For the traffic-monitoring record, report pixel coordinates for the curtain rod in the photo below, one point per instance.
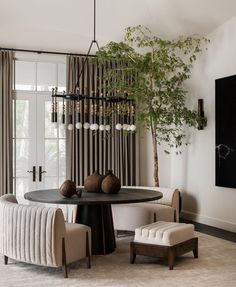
(45, 52)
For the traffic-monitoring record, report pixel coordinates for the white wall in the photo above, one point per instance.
(194, 171)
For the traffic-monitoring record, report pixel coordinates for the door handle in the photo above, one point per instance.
(34, 173)
(41, 172)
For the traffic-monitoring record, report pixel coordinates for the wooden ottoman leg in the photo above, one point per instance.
(195, 250)
(132, 254)
(171, 258)
(5, 260)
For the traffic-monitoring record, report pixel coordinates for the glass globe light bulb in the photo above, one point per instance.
(92, 127)
(86, 125)
(78, 125)
(95, 127)
(70, 127)
(107, 127)
(118, 127)
(133, 128)
(101, 127)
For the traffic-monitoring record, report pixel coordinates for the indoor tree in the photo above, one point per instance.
(151, 71)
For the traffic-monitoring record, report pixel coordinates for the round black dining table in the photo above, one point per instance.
(94, 210)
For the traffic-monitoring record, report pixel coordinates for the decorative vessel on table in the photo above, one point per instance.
(93, 182)
(68, 189)
(111, 183)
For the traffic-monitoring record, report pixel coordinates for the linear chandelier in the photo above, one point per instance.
(101, 115)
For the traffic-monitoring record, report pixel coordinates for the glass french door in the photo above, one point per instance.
(39, 146)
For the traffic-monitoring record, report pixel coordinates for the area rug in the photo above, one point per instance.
(216, 266)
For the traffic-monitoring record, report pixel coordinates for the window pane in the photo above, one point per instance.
(62, 131)
(22, 119)
(51, 157)
(22, 186)
(61, 77)
(14, 185)
(50, 130)
(46, 76)
(51, 182)
(62, 158)
(13, 118)
(22, 157)
(25, 75)
(13, 155)
(61, 180)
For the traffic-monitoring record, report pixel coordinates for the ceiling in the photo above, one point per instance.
(67, 26)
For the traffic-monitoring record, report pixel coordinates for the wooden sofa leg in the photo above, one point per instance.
(171, 258)
(195, 250)
(88, 255)
(5, 260)
(64, 264)
(154, 217)
(132, 254)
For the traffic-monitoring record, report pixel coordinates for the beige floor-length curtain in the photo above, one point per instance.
(6, 152)
(87, 150)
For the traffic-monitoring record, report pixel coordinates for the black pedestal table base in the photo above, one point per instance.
(99, 218)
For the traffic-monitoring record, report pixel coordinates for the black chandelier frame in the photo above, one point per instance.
(76, 96)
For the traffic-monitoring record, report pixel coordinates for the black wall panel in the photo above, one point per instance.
(225, 164)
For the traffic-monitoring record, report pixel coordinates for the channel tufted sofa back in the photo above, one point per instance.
(31, 234)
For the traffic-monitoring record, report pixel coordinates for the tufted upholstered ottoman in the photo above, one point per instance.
(164, 239)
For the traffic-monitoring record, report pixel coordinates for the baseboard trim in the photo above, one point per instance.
(225, 225)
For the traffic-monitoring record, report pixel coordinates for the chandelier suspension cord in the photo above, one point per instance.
(94, 20)
(94, 41)
(94, 24)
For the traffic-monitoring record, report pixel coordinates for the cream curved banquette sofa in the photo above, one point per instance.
(131, 216)
(39, 235)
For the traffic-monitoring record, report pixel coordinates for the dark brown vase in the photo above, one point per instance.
(93, 182)
(68, 188)
(111, 183)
